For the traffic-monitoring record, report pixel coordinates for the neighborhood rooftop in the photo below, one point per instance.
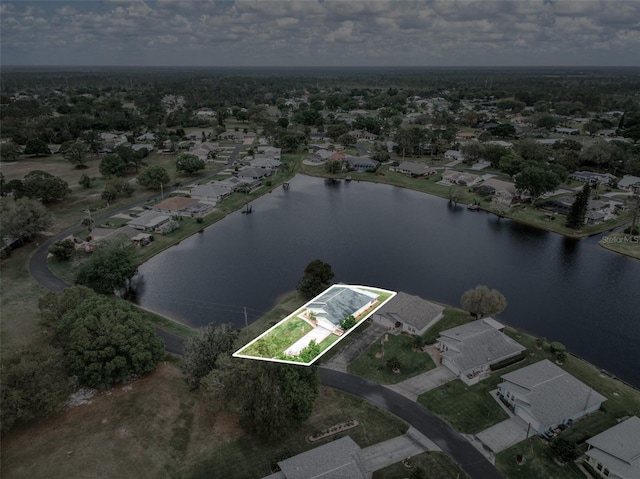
(412, 310)
(551, 393)
(618, 448)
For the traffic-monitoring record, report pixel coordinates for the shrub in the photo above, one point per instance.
(634, 231)
(556, 347)
(63, 249)
(540, 342)
(563, 450)
(561, 356)
(348, 323)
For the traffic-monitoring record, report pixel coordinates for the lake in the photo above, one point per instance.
(565, 290)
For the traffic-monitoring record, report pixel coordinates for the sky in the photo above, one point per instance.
(321, 33)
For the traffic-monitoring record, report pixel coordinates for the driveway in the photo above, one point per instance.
(354, 349)
(395, 450)
(503, 435)
(413, 387)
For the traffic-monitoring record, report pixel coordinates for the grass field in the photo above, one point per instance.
(156, 428)
(621, 243)
(374, 368)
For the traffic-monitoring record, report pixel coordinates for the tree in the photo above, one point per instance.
(315, 279)
(154, 177)
(75, 153)
(36, 147)
(270, 399)
(107, 341)
(9, 151)
(202, 352)
(86, 181)
(472, 151)
(348, 322)
(35, 384)
(189, 164)
(131, 158)
(53, 305)
(511, 163)
(44, 186)
(116, 188)
(112, 165)
(109, 269)
(333, 166)
(564, 450)
(575, 218)
(536, 180)
(63, 249)
(23, 218)
(482, 301)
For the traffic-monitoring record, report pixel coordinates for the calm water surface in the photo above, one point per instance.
(565, 290)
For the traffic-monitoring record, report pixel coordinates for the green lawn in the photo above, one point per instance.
(436, 465)
(274, 343)
(469, 409)
(622, 243)
(539, 462)
(370, 367)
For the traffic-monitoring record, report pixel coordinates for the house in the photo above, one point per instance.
(594, 217)
(146, 137)
(628, 182)
(411, 313)
(175, 205)
(546, 396)
(470, 350)
(502, 143)
(504, 192)
(265, 163)
(150, 221)
(566, 131)
(563, 205)
(320, 156)
(454, 155)
(339, 459)
(615, 453)
(142, 239)
(210, 192)
(363, 135)
(358, 163)
(413, 168)
(466, 136)
(143, 146)
(238, 184)
(271, 151)
(593, 178)
(453, 177)
(254, 173)
(338, 302)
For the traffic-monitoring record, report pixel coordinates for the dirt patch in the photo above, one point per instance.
(227, 425)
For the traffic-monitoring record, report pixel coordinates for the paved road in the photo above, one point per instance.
(450, 441)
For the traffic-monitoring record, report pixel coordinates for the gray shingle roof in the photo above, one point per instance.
(339, 459)
(412, 310)
(619, 448)
(339, 302)
(550, 393)
(477, 344)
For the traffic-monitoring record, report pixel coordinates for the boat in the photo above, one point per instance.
(348, 178)
(473, 207)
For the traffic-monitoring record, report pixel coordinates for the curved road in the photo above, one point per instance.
(449, 440)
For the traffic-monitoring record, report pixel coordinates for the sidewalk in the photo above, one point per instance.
(395, 450)
(413, 387)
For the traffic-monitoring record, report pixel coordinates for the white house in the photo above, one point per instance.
(546, 396)
(615, 453)
(150, 221)
(414, 168)
(210, 192)
(411, 313)
(470, 350)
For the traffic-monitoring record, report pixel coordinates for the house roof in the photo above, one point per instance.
(209, 190)
(150, 219)
(175, 203)
(477, 344)
(413, 167)
(550, 393)
(339, 302)
(628, 180)
(500, 185)
(618, 448)
(412, 310)
(339, 459)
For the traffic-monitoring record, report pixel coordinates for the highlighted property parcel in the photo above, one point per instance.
(305, 335)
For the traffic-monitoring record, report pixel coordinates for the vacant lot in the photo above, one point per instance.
(156, 428)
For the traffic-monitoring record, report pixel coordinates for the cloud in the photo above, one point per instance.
(330, 32)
